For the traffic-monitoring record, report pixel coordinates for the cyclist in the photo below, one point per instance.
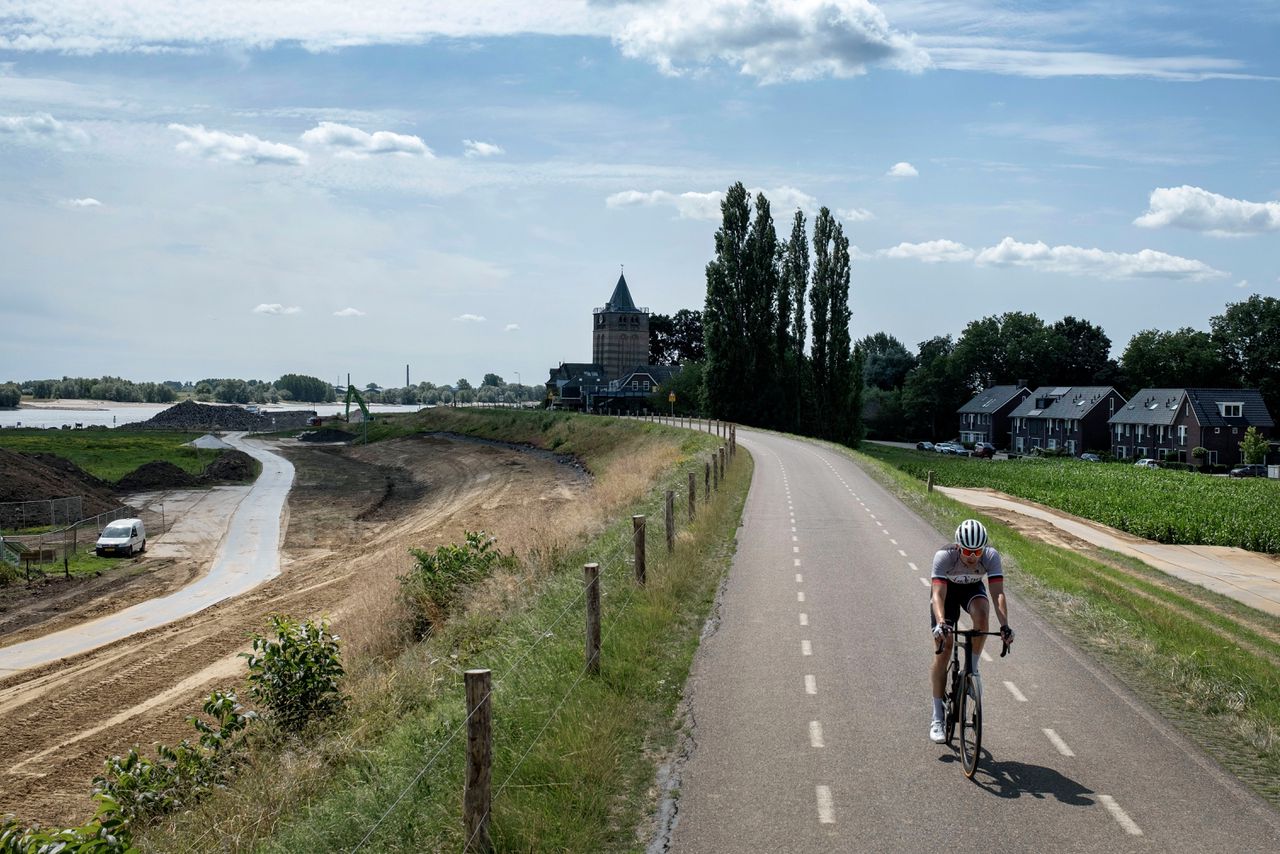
(958, 571)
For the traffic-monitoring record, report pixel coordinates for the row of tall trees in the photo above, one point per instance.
(915, 395)
(756, 328)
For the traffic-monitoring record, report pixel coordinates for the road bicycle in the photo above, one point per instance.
(963, 699)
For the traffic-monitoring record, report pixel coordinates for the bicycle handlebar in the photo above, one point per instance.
(972, 633)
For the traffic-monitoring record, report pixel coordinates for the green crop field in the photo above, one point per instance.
(1162, 505)
(110, 454)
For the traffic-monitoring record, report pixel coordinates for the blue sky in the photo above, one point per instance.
(249, 189)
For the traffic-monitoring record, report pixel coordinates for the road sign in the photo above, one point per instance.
(671, 398)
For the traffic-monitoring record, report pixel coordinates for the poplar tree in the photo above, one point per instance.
(795, 280)
(762, 286)
(723, 317)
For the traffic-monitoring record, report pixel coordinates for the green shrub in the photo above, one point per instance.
(96, 837)
(431, 588)
(295, 674)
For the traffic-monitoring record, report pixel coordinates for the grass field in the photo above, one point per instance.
(110, 454)
(1165, 506)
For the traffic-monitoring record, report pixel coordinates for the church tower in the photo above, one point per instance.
(620, 340)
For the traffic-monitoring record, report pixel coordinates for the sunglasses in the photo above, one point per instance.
(970, 552)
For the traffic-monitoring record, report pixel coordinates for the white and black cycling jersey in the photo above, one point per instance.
(947, 566)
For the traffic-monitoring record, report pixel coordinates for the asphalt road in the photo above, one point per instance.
(248, 555)
(810, 705)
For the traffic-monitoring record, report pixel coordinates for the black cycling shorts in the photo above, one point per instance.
(958, 596)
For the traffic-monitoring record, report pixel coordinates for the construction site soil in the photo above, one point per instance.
(353, 515)
(190, 415)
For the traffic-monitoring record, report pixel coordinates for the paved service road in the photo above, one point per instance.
(248, 555)
(810, 705)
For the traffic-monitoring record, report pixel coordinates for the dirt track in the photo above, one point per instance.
(353, 514)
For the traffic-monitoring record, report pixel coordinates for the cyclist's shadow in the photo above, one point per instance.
(1015, 779)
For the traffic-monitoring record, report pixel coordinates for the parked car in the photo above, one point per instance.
(924, 446)
(1091, 458)
(122, 537)
(984, 449)
(1250, 470)
(1147, 463)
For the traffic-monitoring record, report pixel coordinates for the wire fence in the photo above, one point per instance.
(620, 552)
(40, 553)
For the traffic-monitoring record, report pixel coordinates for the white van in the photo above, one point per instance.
(122, 537)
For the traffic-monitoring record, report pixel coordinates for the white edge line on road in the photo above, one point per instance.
(826, 813)
(1017, 695)
(1121, 817)
(1059, 743)
(804, 619)
(815, 734)
(806, 648)
(810, 684)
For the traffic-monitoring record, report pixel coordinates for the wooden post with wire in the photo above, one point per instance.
(693, 496)
(671, 521)
(715, 472)
(477, 795)
(706, 481)
(638, 534)
(591, 577)
(928, 481)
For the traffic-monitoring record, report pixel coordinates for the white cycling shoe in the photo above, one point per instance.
(936, 734)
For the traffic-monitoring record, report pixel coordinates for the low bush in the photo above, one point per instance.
(432, 587)
(295, 674)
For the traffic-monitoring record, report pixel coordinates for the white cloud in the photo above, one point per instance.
(1201, 210)
(353, 142)
(902, 170)
(512, 327)
(1243, 283)
(349, 312)
(469, 318)
(83, 203)
(783, 199)
(40, 128)
(1056, 63)
(855, 214)
(771, 40)
(475, 148)
(245, 148)
(703, 206)
(1072, 260)
(276, 308)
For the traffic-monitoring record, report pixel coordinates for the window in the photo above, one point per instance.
(1217, 430)
(1182, 434)
(1213, 458)
(1231, 410)
(635, 384)
(1234, 430)
(1121, 452)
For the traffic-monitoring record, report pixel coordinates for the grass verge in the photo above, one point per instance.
(575, 755)
(111, 454)
(1205, 662)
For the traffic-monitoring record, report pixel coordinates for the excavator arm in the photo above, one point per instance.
(364, 409)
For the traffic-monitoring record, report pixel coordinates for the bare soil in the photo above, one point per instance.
(353, 513)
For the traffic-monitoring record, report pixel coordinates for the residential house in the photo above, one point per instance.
(1168, 423)
(1073, 419)
(985, 418)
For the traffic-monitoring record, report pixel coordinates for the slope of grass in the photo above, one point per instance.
(111, 454)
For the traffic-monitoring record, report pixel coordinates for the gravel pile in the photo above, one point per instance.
(230, 465)
(158, 474)
(190, 415)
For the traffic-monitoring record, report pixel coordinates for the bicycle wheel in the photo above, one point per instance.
(970, 724)
(951, 701)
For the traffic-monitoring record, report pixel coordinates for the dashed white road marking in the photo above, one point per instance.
(873, 516)
(1122, 818)
(826, 813)
(901, 552)
(804, 619)
(986, 656)
(793, 529)
(895, 542)
(797, 561)
(914, 568)
(815, 734)
(810, 684)
(924, 581)
(794, 538)
(878, 522)
(799, 595)
(1017, 695)
(1059, 743)
(806, 648)
(799, 578)
(795, 548)
(884, 531)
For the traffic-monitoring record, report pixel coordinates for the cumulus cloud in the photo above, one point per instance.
(1200, 210)
(349, 312)
(353, 142)
(512, 327)
(84, 203)
(1072, 260)
(475, 148)
(855, 214)
(276, 308)
(245, 148)
(771, 40)
(902, 170)
(40, 128)
(469, 318)
(703, 206)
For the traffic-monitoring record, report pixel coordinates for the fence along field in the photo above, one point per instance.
(1175, 507)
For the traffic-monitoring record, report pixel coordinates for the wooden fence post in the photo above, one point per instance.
(671, 521)
(476, 793)
(638, 534)
(693, 496)
(929, 481)
(591, 577)
(715, 472)
(706, 481)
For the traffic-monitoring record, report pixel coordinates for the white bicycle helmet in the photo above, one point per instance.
(971, 534)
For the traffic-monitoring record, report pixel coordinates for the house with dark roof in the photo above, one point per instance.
(985, 418)
(618, 377)
(1168, 423)
(1073, 419)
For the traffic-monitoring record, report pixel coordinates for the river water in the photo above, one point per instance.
(108, 414)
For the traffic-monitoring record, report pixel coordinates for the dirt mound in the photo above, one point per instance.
(231, 465)
(157, 474)
(326, 434)
(190, 415)
(40, 477)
